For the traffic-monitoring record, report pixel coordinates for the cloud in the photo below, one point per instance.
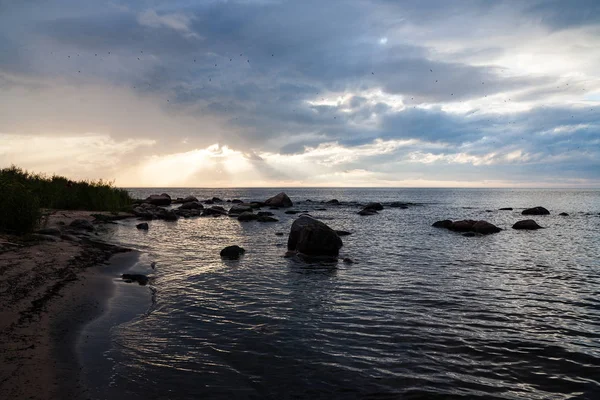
(175, 21)
(386, 91)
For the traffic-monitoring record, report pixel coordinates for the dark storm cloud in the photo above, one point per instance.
(272, 71)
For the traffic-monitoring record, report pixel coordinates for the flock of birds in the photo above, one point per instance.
(231, 59)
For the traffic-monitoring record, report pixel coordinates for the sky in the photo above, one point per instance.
(276, 93)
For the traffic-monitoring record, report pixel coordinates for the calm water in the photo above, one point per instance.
(423, 313)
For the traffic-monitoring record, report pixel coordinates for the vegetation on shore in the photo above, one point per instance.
(24, 194)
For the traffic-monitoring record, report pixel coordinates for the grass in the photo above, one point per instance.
(23, 194)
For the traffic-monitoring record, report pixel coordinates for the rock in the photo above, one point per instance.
(485, 228)
(470, 226)
(209, 202)
(265, 214)
(265, 218)
(563, 214)
(289, 254)
(321, 209)
(216, 200)
(312, 237)
(143, 226)
(256, 204)
(247, 216)
(236, 201)
(292, 212)
(280, 200)
(536, 211)
(367, 211)
(462, 226)
(49, 231)
(278, 233)
(159, 200)
(348, 261)
(374, 206)
(343, 233)
(139, 278)
(506, 209)
(167, 215)
(213, 211)
(82, 224)
(527, 224)
(397, 204)
(232, 252)
(442, 224)
(238, 209)
(191, 205)
(189, 199)
(334, 202)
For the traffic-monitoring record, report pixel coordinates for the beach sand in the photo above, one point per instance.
(48, 290)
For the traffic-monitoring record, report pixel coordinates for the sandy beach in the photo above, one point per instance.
(50, 287)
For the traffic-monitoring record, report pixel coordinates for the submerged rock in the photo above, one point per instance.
(348, 261)
(397, 204)
(292, 212)
(143, 226)
(343, 233)
(215, 211)
(374, 206)
(312, 237)
(247, 216)
(535, 211)
(442, 224)
(266, 218)
(367, 211)
(527, 224)
(506, 209)
(232, 252)
(280, 200)
(139, 278)
(265, 214)
(563, 214)
(236, 201)
(333, 202)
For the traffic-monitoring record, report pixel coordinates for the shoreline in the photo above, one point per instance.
(50, 290)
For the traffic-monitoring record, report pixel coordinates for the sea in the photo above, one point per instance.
(422, 313)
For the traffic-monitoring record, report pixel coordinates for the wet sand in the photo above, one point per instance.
(48, 290)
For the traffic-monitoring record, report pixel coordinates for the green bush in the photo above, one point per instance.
(19, 208)
(24, 191)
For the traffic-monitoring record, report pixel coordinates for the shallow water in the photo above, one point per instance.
(423, 312)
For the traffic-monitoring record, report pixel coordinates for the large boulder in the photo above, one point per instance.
(159, 199)
(527, 224)
(280, 200)
(232, 252)
(374, 206)
(312, 237)
(536, 211)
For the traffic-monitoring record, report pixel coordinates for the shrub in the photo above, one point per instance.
(27, 192)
